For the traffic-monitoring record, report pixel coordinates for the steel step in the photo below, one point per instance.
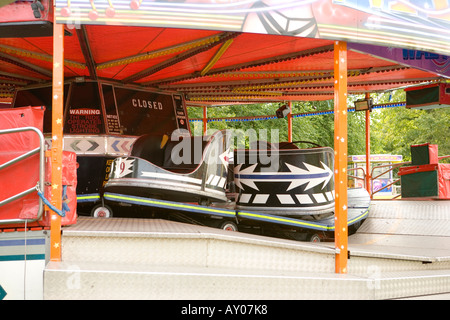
(92, 281)
(120, 258)
(161, 242)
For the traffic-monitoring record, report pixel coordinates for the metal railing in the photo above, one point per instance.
(356, 177)
(40, 183)
(390, 167)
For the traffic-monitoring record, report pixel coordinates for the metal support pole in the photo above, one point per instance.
(205, 119)
(340, 159)
(368, 171)
(57, 139)
(289, 118)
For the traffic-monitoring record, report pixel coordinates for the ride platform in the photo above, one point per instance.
(401, 251)
(300, 229)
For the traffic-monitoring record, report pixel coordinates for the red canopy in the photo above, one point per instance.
(209, 67)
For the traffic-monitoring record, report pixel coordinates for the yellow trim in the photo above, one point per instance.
(39, 56)
(217, 56)
(88, 197)
(359, 217)
(170, 204)
(157, 53)
(239, 213)
(283, 220)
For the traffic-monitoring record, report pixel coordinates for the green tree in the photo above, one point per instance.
(393, 129)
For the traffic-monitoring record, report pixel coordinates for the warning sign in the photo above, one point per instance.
(84, 120)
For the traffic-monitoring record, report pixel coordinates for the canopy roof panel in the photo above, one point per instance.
(212, 67)
(414, 24)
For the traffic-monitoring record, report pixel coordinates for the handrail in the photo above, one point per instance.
(41, 151)
(356, 177)
(392, 167)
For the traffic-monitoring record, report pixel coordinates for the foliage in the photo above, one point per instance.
(393, 130)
